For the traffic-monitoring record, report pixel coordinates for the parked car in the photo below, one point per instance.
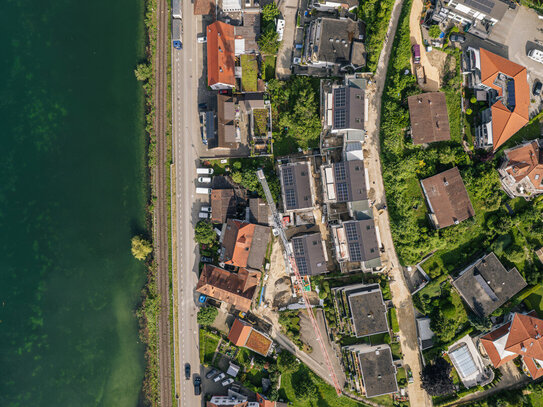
(204, 215)
(211, 373)
(202, 106)
(223, 91)
(202, 39)
(206, 259)
(227, 382)
(187, 371)
(205, 209)
(415, 49)
(204, 171)
(537, 88)
(409, 374)
(536, 55)
(457, 38)
(204, 180)
(197, 385)
(203, 191)
(219, 377)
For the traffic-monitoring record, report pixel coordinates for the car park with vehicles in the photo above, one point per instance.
(211, 373)
(227, 381)
(219, 377)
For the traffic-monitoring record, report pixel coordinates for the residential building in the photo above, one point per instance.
(244, 244)
(429, 118)
(230, 401)
(220, 56)
(259, 211)
(344, 181)
(297, 186)
(223, 205)
(447, 198)
(468, 363)
(478, 16)
(246, 34)
(486, 284)
(377, 368)
(204, 7)
(508, 96)
(309, 254)
(331, 42)
(236, 289)
(243, 334)
(333, 5)
(366, 308)
(425, 334)
(264, 402)
(521, 171)
(521, 336)
(356, 240)
(228, 131)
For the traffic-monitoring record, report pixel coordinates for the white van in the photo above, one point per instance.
(203, 215)
(203, 191)
(204, 171)
(204, 180)
(205, 209)
(536, 55)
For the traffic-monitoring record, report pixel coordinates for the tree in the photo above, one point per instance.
(204, 233)
(143, 72)
(268, 42)
(469, 111)
(269, 12)
(473, 100)
(141, 248)
(303, 384)
(436, 378)
(286, 361)
(434, 31)
(482, 324)
(206, 315)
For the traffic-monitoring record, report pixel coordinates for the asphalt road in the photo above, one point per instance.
(186, 146)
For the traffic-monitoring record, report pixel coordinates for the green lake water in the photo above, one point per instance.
(72, 193)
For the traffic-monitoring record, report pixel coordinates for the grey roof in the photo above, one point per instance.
(226, 133)
(486, 285)
(493, 8)
(378, 370)
(257, 254)
(368, 310)
(309, 254)
(336, 36)
(361, 240)
(429, 117)
(426, 336)
(249, 31)
(348, 108)
(350, 181)
(296, 186)
(259, 211)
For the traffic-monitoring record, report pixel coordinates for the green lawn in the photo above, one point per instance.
(393, 320)
(268, 67)
(535, 301)
(208, 345)
(249, 73)
(396, 349)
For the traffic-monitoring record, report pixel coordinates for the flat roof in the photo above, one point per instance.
(429, 117)
(368, 310)
(378, 370)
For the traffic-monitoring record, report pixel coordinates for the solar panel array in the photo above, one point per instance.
(511, 94)
(340, 119)
(339, 97)
(290, 196)
(463, 361)
(298, 247)
(302, 266)
(354, 252)
(342, 192)
(351, 231)
(288, 176)
(485, 6)
(339, 169)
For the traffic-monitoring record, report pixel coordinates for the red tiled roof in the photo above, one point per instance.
(526, 161)
(525, 336)
(239, 333)
(535, 371)
(488, 343)
(504, 122)
(220, 54)
(243, 334)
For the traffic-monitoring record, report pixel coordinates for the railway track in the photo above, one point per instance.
(161, 210)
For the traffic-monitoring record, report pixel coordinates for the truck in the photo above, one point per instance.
(177, 30)
(176, 9)
(204, 171)
(420, 74)
(415, 49)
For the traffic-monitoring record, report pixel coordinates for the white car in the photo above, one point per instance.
(205, 171)
(205, 209)
(202, 39)
(204, 180)
(203, 191)
(204, 215)
(536, 55)
(227, 382)
(219, 377)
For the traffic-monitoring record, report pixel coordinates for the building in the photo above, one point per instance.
(297, 186)
(230, 401)
(429, 118)
(259, 211)
(228, 132)
(204, 7)
(468, 363)
(367, 310)
(356, 240)
(521, 336)
(236, 289)
(377, 368)
(447, 198)
(344, 181)
(333, 5)
(223, 205)
(243, 334)
(425, 334)
(309, 254)
(331, 42)
(486, 285)
(244, 244)
(521, 171)
(220, 56)
(508, 96)
(246, 34)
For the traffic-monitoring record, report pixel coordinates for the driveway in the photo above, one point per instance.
(288, 9)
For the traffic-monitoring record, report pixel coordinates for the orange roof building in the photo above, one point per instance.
(244, 244)
(509, 97)
(237, 289)
(522, 170)
(220, 56)
(243, 334)
(522, 336)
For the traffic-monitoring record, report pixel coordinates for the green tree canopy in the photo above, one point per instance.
(434, 31)
(268, 42)
(204, 233)
(206, 315)
(143, 72)
(270, 12)
(286, 361)
(303, 384)
(141, 248)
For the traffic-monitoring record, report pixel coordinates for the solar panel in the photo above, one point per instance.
(290, 196)
(298, 247)
(339, 171)
(302, 266)
(485, 6)
(339, 119)
(288, 177)
(339, 97)
(351, 231)
(464, 361)
(511, 94)
(354, 252)
(342, 192)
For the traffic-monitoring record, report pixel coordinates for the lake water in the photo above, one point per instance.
(72, 193)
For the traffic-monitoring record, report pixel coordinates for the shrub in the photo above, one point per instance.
(206, 315)
(141, 248)
(469, 111)
(434, 31)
